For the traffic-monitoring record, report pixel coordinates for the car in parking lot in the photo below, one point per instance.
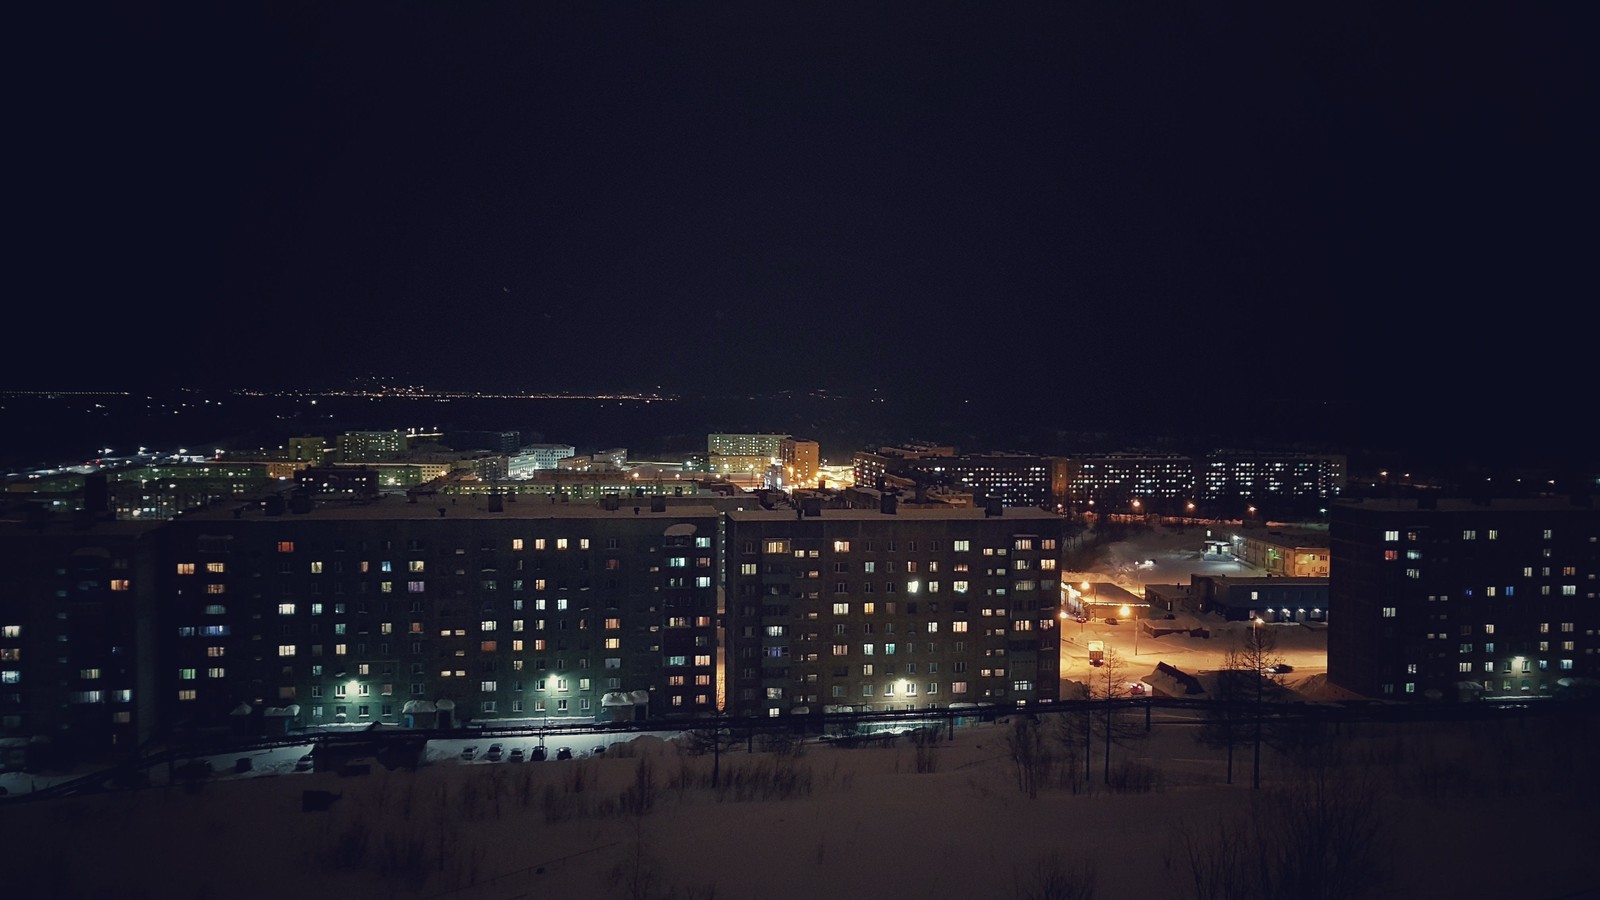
(564, 753)
(1280, 669)
(517, 755)
(468, 753)
(304, 763)
(538, 753)
(1110, 621)
(495, 752)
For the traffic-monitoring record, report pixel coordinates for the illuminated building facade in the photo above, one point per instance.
(537, 457)
(1228, 474)
(1016, 480)
(799, 463)
(1116, 477)
(871, 466)
(1462, 599)
(430, 614)
(1290, 553)
(371, 446)
(844, 609)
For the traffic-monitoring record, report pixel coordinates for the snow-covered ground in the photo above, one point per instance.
(943, 821)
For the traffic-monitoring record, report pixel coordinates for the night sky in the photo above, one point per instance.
(1143, 203)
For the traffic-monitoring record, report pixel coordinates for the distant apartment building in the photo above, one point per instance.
(1465, 598)
(1015, 479)
(371, 446)
(414, 613)
(1114, 479)
(798, 464)
(533, 458)
(80, 600)
(1178, 484)
(764, 445)
(744, 455)
(871, 466)
(1252, 475)
(890, 609)
(311, 449)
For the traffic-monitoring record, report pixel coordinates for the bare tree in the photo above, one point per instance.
(1255, 658)
(1032, 755)
(1110, 684)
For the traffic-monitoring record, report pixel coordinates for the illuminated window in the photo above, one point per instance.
(185, 568)
(285, 609)
(286, 546)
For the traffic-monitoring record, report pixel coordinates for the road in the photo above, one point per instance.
(1174, 556)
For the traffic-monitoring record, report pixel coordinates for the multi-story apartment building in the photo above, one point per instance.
(767, 446)
(1114, 478)
(871, 466)
(79, 601)
(848, 609)
(310, 450)
(1251, 475)
(1460, 599)
(799, 462)
(372, 446)
(1015, 479)
(532, 458)
(430, 613)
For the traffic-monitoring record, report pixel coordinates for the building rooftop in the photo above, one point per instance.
(389, 508)
(1463, 504)
(921, 514)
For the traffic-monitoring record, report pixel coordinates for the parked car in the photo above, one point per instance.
(1281, 668)
(537, 754)
(495, 752)
(564, 753)
(1110, 621)
(517, 755)
(304, 763)
(467, 753)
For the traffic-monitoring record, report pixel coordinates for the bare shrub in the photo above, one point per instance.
(1031, 755)
(640, 797)
(926, 741)
(1053, 878)
(1319, 837)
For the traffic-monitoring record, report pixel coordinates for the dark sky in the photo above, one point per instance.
(1345, 202)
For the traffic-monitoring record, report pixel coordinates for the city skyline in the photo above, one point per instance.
(1335, 206)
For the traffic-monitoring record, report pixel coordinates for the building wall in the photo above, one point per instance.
(1458, 599)
(77, 600)
(946, 614)
(1283, 555)
(513, 616)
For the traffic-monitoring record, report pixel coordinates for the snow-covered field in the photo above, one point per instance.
(947, 820)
